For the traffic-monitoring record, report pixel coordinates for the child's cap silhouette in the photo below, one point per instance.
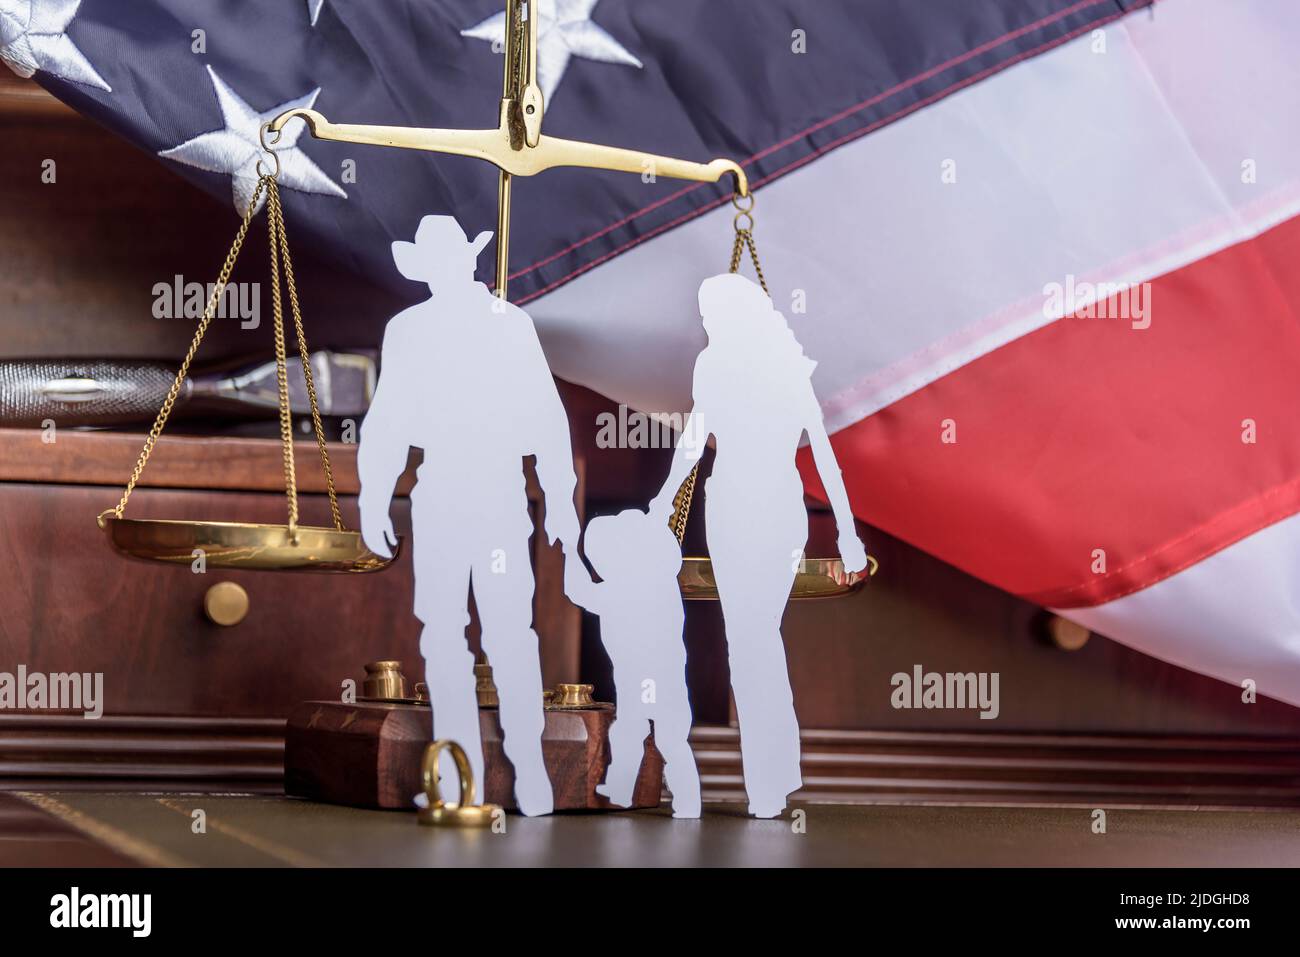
(440, 248)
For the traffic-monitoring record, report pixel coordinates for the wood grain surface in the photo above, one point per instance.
(281, 832)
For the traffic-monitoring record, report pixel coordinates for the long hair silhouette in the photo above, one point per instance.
(753, 394)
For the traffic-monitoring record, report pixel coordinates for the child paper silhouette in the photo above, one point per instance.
(463, 377)
(753, 394)
(641, 618)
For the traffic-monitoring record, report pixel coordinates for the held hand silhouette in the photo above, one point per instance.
(377, 531)
(852, 552)
(661, 506)
(562, 526)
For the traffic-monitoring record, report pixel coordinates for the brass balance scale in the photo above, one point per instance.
(517, 148)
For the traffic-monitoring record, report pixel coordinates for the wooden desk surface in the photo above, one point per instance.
(97, 829)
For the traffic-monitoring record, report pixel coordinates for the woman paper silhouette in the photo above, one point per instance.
(753, 394)
(640, 607)
(463, 377)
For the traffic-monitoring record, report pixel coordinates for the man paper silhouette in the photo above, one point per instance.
(463, 377)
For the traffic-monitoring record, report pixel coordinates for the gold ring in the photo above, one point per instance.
(439, 812)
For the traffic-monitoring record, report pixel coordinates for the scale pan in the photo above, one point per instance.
(816, 578)
(241, 545)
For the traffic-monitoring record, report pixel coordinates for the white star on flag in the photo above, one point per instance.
(33, 36)
(313, 9)
(236, 148)
(564, 30)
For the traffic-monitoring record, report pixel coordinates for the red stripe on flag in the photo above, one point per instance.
(1091, 435)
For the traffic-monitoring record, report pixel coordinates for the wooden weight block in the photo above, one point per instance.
(368, 754)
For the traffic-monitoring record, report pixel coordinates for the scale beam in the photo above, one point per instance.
(494, 146)
(516, 147)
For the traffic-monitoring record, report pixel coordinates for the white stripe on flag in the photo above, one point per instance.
(1176, 142)
(1234, 615)
(1106, 166)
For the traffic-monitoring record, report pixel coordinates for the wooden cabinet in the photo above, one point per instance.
(194, 705)
(71, 603)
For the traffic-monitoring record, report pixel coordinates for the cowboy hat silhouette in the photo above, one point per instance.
(441, 253)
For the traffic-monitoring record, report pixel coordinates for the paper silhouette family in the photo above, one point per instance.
(463, 350)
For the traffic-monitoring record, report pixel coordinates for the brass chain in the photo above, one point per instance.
(682, 505)
(744, 239)
(279, 249)
(281, 364)
(273, 200)
(208, 313)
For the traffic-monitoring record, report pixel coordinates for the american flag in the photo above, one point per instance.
(1043, 250)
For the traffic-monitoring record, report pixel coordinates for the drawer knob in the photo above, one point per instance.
(225, 603)
(1067, 635)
